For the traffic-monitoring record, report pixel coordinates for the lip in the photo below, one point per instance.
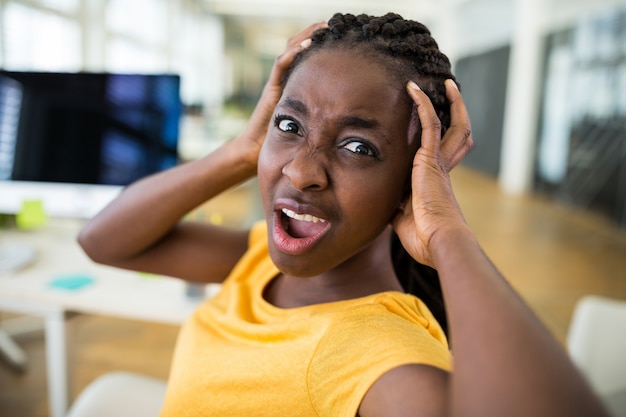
(284, 241)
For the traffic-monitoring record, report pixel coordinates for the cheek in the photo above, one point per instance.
(265, 170)
(272, 159)
(374, 198)
(398, 186)
(269, 157)
(262, 162)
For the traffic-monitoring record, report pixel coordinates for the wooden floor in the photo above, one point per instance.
(551, 254)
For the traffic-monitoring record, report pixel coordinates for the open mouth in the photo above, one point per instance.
(301, 225)
(295, 233)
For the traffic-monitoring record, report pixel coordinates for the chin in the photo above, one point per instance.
(300, 266)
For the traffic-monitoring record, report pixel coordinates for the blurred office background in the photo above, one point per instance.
(545, 85)
(544, 80)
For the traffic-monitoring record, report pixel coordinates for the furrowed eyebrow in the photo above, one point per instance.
(295, 105)
(371, 124)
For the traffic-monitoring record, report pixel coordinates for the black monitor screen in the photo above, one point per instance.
(88, 128)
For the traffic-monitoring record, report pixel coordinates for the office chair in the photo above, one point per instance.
(120, 394)
(596, 342)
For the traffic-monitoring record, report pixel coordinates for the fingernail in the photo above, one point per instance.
(305, 43)
(411, 84)
(451, 81)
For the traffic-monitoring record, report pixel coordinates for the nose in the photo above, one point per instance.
(307, 171)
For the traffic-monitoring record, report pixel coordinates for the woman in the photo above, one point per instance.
(352, 141)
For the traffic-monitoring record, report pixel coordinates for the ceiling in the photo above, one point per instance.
(322, 9)
(427, 11)
(460, 26)
(265, 24)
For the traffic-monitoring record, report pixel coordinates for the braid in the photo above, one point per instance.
(408, 52)
(420, 280)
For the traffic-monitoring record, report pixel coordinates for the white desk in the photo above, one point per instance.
(113, 292)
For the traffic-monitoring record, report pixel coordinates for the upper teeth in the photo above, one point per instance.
(302, 217)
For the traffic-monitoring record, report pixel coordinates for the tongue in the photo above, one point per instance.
(302, 229)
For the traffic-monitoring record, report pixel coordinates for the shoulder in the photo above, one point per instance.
(367, 341)
(258, 234)
(255, 263)
(390, 326)
(388, 319)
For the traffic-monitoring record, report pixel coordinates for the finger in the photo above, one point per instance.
(295, 45)
(305, 33)
(431, 125)
(402, 221)
(457, 141)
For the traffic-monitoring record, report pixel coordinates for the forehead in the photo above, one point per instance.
(346, 80)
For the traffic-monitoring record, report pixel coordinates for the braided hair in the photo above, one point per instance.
(408, 52)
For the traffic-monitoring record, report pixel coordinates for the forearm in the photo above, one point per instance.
(151, 207)
(506, 361)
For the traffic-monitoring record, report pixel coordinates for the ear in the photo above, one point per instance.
(414, 133)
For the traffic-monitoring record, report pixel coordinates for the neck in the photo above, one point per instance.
(368, 272)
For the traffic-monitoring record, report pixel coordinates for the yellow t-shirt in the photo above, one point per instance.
(238, 355)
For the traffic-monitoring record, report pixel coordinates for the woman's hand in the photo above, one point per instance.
(256, 129)
(432, 206)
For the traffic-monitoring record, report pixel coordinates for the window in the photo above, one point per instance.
(40, 39)
(124, 36)
(133, 47)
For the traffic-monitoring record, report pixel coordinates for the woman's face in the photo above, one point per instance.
(334, 163)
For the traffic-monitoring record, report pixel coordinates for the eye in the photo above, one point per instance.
(286, 125)
(360, 148)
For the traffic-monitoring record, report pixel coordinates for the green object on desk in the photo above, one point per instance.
(32, 215)
(147, 275)
(71, 282)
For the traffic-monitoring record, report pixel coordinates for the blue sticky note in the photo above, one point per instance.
(71, 282)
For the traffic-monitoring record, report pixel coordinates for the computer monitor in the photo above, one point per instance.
(74, 140)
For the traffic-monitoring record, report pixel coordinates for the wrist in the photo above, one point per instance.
(449, 241)
(241, 154)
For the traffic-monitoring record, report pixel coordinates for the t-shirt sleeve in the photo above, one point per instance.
(363, 347)
(258, 234)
